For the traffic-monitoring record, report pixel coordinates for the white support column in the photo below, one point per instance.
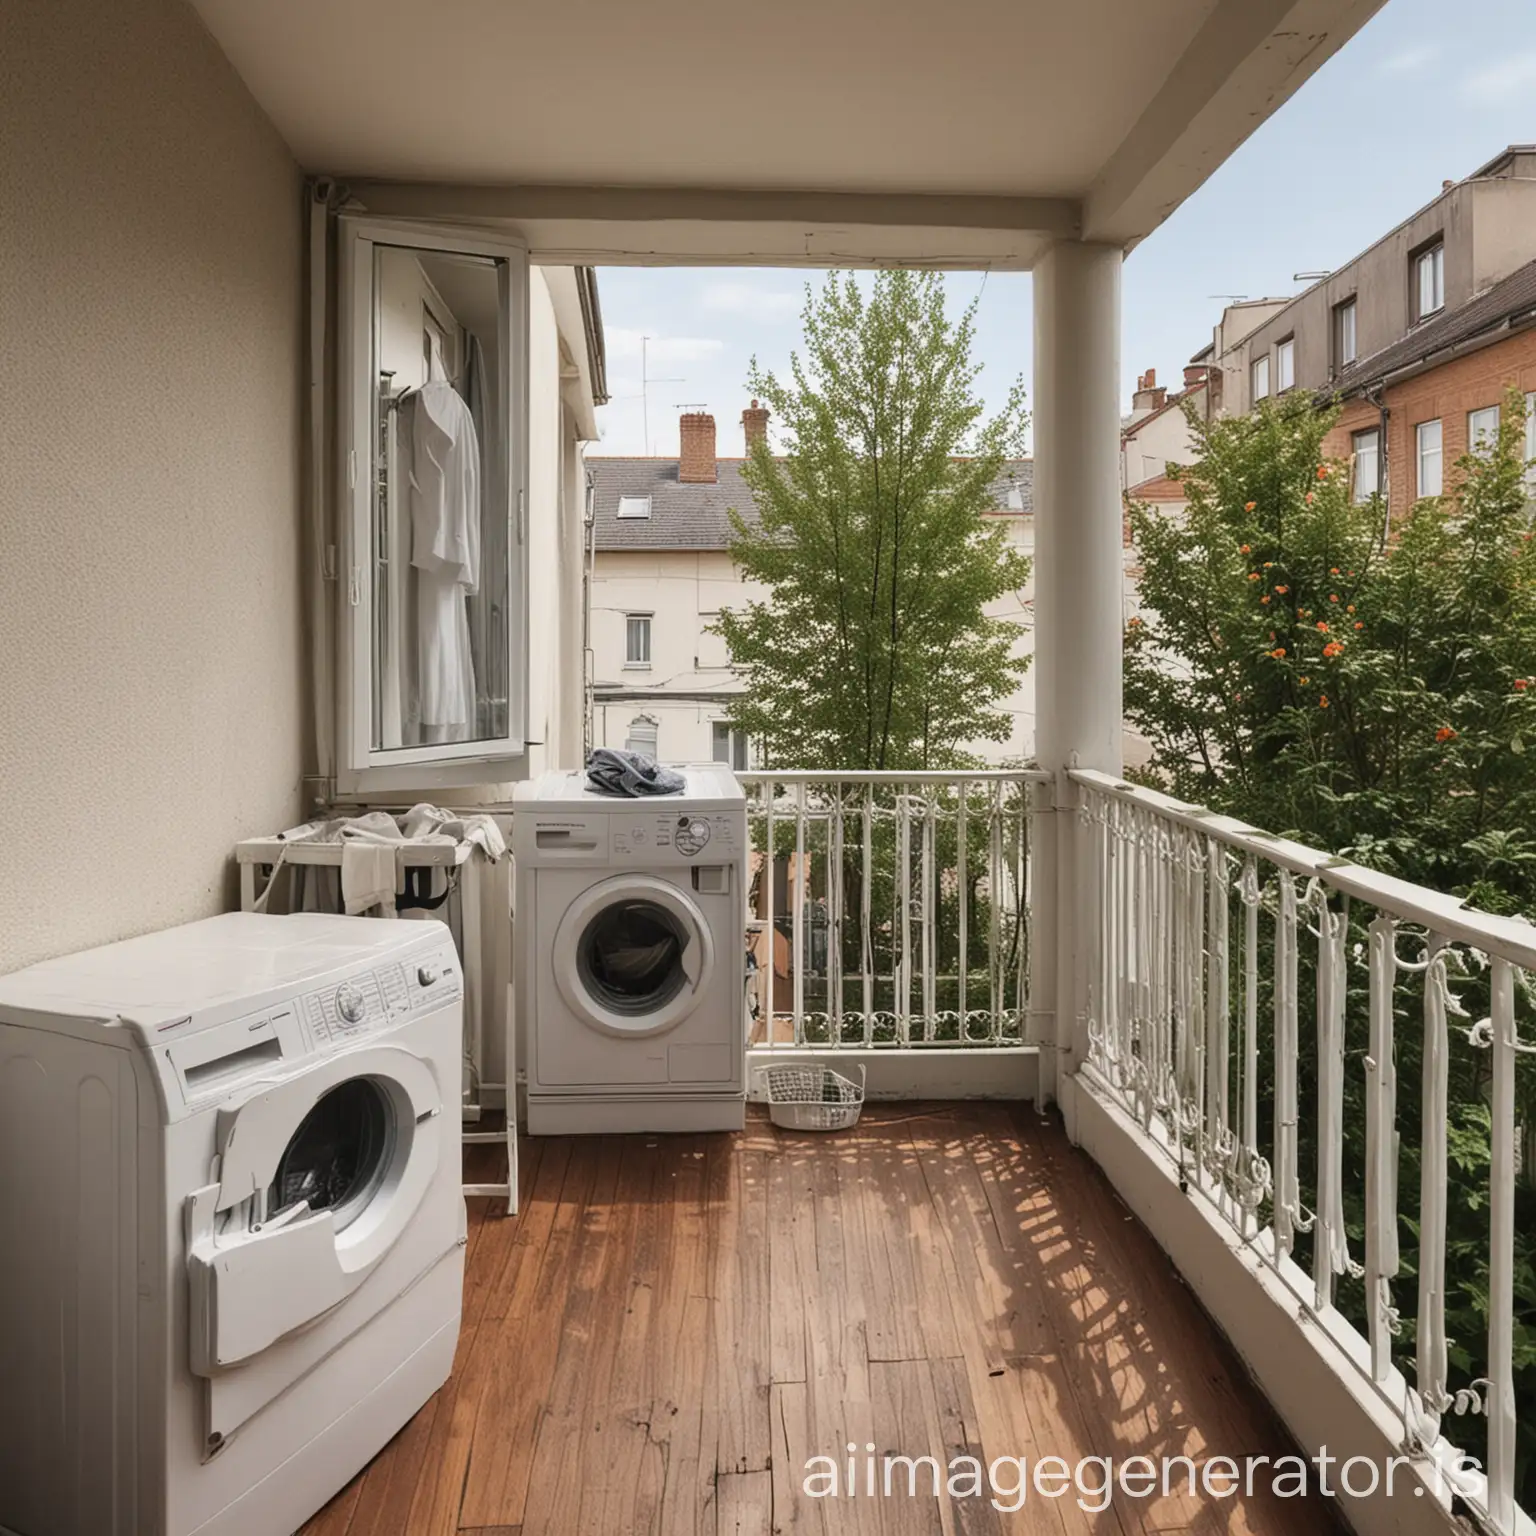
(1078, 606)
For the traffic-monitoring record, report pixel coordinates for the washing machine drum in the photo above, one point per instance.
(632, 955)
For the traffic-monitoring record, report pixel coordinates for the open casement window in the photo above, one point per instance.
(433, 371)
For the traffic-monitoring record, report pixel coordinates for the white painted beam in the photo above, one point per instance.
(608, 226)
(932, 1072)
(1244, 63)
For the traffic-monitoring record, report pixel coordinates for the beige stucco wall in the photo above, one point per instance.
(151, 697)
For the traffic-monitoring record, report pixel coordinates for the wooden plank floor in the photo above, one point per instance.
(674, 1325)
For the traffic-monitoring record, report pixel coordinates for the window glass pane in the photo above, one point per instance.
(1530, 440)
(440, 541)
(1367, 451)
(1347, 333)
(634, 506)
(642, 736)
(1483, 429)
(1260, 378)
(637, 640)
(720, 742)
(1285, 365)
(1429, 458)
(1431, 274)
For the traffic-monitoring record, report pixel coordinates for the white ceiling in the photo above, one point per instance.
(998, 99)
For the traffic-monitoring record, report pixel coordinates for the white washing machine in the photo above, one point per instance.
(232, 1218)
(631, 954)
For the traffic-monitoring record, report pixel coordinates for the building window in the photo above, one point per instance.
(634, 506)
(1427, 435)
(1429, 281)
(1344, 352)
(1260, 375)
(637, 639)
(642, 737)
(1285, 365)
(1483, 430)
(1530, 442)
(1367, 456)
(713, 654)
(729, 744)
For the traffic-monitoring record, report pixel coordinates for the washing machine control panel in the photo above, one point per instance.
(380, 998)
(676, 836)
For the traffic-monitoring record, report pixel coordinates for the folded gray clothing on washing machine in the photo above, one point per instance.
(630, 774)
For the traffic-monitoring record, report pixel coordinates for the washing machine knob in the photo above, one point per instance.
(350, 1003)
(426, 974)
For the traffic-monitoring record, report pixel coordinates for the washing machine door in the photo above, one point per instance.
(319, 1176)
(633, 955)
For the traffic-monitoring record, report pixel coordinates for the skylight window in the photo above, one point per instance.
(634, 506)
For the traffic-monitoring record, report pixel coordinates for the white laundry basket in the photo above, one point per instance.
(806, 1096)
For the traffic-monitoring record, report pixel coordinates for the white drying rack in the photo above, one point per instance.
(258, 859)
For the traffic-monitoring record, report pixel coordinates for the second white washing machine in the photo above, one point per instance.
(631, 954)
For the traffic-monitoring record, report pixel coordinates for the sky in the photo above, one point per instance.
(1428, 90)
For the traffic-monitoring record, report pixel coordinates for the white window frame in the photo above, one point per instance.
(362, 769)
(1262, 361)
(1346, 308)
(635, 663)
(639, 508)
(1530, 441)
(648, 723)
(1285, 365)
(1374, 433)
(734, 736)
(1483, 436)
(1421, 453)
(1430, 261)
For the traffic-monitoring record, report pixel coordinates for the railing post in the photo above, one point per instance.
(1078, 598)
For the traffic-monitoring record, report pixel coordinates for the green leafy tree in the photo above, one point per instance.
(1371, 691)
(873, 648)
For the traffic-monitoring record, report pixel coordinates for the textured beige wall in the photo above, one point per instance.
(151, 258)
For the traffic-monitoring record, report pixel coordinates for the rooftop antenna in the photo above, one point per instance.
(645, 391)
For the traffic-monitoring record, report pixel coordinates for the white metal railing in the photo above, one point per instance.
(894, 910)
(1202, 933)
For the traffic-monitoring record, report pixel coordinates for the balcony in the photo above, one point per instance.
(1197, 1253)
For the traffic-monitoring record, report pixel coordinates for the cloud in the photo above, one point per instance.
(746, 298)
(1409, 61)
(623, 343)
(1504, 80)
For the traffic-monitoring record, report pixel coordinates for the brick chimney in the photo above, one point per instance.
(696, 449)
(754, 425)
(1148, 396)
(1194, 374)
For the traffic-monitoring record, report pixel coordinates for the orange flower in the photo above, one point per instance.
(1253, 575)
(1305, 681)
(1445, 733)
(1350, 608)
(1322, 471)
(1358, 624)
(1322, 628)
(1351, 573)
(1248, 506)
(1265, 600)
(1333, 648)
(1322, 703)
(1301, 613)
(1521, 684)
(1245, 549)
(1269, 565)
(1278, 653)
(1333, 597)
(1333, 570)
(1309, 498)
(1282, 590)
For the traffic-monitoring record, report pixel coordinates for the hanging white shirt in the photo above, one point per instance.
(445, 549)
